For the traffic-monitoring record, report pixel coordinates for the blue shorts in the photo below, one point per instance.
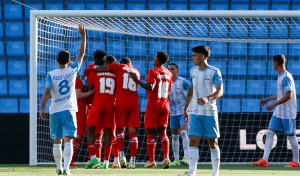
(288, 126)
(204, 126)
(63, 124)
(176, 121)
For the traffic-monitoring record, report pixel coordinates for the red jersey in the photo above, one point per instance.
(126, 87)
(88, 69)
(81, 103)
(162, 78)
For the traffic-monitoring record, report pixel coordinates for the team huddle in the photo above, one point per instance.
(108, 105)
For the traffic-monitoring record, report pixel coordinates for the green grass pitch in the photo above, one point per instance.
(203, 170)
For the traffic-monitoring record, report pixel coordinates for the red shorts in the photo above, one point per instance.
(99, 130)
(127, 114)
(155, 117)
(101, 115)
(81, 122)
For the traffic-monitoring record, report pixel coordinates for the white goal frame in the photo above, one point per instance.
(34, 14)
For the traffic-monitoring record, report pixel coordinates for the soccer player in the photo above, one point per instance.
(102, 111)
(284, 116)
(80, 117)
(61, 82)
(127, 107)
(206, 86)
(158, 84)
(178, 126)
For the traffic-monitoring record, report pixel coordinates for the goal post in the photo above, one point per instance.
(241, 42)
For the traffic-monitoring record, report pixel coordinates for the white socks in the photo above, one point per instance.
(68, 153)
(193, 160)
(185, 143)
(175, 146)
(215, 160)
(132, 159)
(295, 148)
(57, 153)
(268, 144)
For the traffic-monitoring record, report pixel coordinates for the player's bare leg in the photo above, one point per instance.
(215, 155)
(175, 146)
(115, 151)
(151, 144)
(134, 144)
(165, 143)
(57, 153)
(89, 130)
(76, 146)
(107, 147)
(120, 140)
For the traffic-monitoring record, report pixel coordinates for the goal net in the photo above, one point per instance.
(242, 45)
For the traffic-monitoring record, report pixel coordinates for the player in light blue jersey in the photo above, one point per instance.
(61, 82)
(206, 86)
(177, 97)
(284, 116)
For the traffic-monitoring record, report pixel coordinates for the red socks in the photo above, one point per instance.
(91, 148)
(151, 144)
(107, 151)
(133, 144)
(165, 143)
(115, 148)
(120, 139)
(98, 147)
(76, 146)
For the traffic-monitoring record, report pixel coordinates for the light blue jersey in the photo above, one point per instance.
(177, 96)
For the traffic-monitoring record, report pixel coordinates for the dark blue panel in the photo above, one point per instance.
(92, 46)
(54, 7)
(73, 48)
(18, 88)
(257, 50)
(15, 48)
(177, 49)
(143, 104)
(250, 105)
(226, 1)
(113, 6)
(194, 43)
(267, 1)
(296, 7)
(41, 85)
(136, 6)
(218, 49)
(235, 88)
(220, 64)
(54, 47)
(198, 0)
(157, 6)
(294, 50)
(52, 65)
(219, 7)
(239, 30)
(198, 6)
(9, 106)
(41, 71)
(98, 6)
(239, 6)
(95, 34)
(257, 68)
(280, 7)
(155, 46)
(13, 12)
(283, 1)
(72, 6)
(137, 48)
(294, 30)
(294, 68)
(2, 68)
(158, 29)
(27, 30)
(141, 91)
(297, 86)
(236, 68)
(178, 29)
(219, 29)
(260, 7)
(3, 88)
(136, 0)
(231, 105)
(14, 30)
(277, 48)
(115, 0)
(270, 69)
(255, 87)
(176, 6)
(278, 30)
(16, 68)
(116, 48)
(24, 105)
(244, 1)
(271, 87)
(141, 67)
(237, 50)
(35, 6)
(259, 30)
(182, 67)
(0, 12)
(179, 1)
(198, 29)
(1, 48)
(157, 0)
(118, 27)
(1, 30)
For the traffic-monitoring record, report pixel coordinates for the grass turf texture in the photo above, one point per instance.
(203, 170)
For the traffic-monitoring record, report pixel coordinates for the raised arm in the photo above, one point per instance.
(103, 68)
(82, 48)
(189, 97)
(44, 102)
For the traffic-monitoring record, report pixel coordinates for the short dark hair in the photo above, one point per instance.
(63, 57)
(99, 57)
(279, 58)
(162, 57)
(125, 60)
(174, 65)
(202, 49)
(110, 60)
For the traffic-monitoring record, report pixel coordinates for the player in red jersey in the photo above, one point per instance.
(80, 117)
(158, 84)
(127, 107)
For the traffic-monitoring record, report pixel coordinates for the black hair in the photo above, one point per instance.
(63, 57)
(174, 65)
(280, 58)
(202, 49)
(110, 60)
(99, 57)
(162, 57)
(125, 60)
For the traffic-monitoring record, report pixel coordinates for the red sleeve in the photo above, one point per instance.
(113, 67)
(151, 78)
(78, 84)
(91, 78)
(88, 69)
